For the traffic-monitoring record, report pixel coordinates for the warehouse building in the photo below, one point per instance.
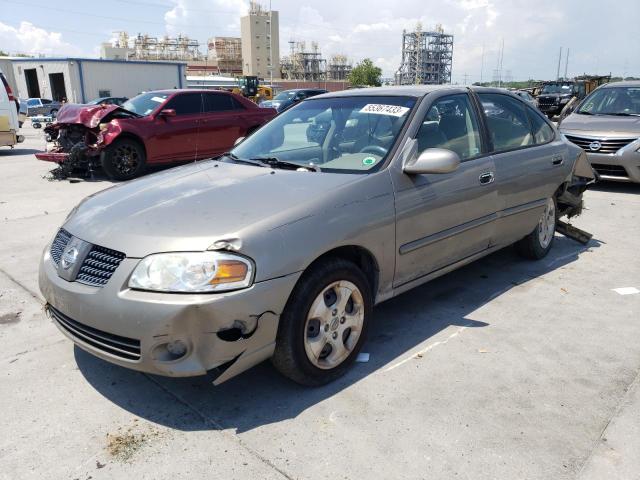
(80, 80)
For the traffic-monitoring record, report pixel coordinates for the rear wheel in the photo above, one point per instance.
(537, 244)
(324, 323)
(124, 159)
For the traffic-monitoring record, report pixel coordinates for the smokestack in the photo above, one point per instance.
(566, 64)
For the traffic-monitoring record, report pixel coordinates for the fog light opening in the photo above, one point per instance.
(171, 351)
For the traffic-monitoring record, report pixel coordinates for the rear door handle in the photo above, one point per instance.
(486, 178)
(557, 160)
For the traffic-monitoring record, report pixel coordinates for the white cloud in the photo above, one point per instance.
(28, 38)
(223, 16)
(371, 27)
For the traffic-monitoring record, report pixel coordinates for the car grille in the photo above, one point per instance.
(57, 247)
(610, 170)
(122, 347)
(608, 146)
(97, 268)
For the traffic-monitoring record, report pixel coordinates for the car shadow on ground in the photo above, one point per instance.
(261, 396)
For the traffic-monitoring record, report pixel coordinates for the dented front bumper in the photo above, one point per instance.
(226, 331)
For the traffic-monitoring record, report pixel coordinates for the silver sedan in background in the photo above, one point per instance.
(281, 248)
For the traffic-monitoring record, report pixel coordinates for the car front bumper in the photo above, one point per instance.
(623, 166)
(132, 328)
(57, 157)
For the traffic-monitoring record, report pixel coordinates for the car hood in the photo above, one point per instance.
(188, 208)
(87, 115)
(602, 124)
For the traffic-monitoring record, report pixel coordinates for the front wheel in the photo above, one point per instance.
(324, 323)
(537, 244)
(124, 159)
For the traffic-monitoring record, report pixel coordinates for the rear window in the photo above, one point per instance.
(507, 121)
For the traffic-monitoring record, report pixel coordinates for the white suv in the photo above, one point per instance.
(8, 115)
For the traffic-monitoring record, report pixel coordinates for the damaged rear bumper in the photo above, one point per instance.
(227, 331)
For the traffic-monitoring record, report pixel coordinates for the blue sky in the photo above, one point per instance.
(603, 37)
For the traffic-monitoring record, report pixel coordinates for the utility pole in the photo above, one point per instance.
(501, 58)
(566, 64)
(466, 75)
(482, 63)
(559, 61)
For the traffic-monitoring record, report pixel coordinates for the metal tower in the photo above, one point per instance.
(427, 57)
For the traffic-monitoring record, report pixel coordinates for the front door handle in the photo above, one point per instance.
(486, 178)
(557, 160)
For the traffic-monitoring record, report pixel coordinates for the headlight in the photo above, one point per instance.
(192, 272)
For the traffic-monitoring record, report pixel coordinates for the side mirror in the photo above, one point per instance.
(433, 160)
(238, 141)
(167, 112)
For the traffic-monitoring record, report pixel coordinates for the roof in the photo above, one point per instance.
(626, 83)
(408, 90)
(99, 60)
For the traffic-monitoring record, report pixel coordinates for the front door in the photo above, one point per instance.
(444, 218)
(177, 137)
(222, 124)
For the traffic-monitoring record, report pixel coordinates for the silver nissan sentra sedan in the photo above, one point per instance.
(280, 248)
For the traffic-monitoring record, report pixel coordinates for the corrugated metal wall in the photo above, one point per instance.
(43, 69)
(127, 79)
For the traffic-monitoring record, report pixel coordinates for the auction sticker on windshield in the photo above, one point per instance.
(379, 109)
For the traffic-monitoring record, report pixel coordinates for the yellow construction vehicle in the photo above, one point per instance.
(249, 87)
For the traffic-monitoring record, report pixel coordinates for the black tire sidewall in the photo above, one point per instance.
(291, 330)
(107, 160)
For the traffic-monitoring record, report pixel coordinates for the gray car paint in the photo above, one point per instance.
(599, 127)
(414, 228)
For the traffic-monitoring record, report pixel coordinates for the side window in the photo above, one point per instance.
(33, 102)
(507, 121)
(236, 104)
(217, 102)
(45, 101)
(186, 104)
(451, 123)
(542, 132)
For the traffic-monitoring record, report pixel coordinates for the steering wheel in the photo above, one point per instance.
(376, 149)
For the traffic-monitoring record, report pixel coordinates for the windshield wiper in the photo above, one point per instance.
(584, 113)
(275, 162)
(236, 158)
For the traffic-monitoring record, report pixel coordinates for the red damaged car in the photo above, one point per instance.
(160, 127)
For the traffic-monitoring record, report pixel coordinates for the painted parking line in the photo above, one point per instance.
(626, 290)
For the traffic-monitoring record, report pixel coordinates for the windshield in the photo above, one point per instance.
(340, 134)
(557, 88)
(145, 103)
(284, 95)
(612, 101)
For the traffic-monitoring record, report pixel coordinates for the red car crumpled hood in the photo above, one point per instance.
(87, 115)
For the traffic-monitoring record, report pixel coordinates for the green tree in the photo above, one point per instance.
(365, 73)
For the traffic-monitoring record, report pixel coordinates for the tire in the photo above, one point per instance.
(537, 244)
(124, 159)
(300, 333)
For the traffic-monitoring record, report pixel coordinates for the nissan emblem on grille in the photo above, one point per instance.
(69, 257)
(595, 146)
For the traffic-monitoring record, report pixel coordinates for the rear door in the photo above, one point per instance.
(444, 218)
(528, 159)
(223, 122)
(176, 138)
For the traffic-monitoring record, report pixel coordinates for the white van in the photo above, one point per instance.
(8, 115)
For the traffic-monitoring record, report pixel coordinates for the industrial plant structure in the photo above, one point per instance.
(427, 57)
(226, 53)
(310, 65)
(260, 42)
(147, 47)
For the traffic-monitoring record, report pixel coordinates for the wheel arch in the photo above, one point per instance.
(361, 257)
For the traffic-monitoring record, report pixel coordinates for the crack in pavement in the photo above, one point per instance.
(234, 437)
(23, 287)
